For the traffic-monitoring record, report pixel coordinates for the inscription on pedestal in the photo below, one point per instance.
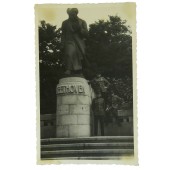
(70, 89)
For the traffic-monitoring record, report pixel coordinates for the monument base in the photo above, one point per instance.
(74, 97)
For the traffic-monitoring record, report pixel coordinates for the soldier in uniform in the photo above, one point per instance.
(101, 85)
(74, 31)
(98, 107)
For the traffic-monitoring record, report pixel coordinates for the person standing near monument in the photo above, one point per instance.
(98, 107)
(101, 85)
(74, 32)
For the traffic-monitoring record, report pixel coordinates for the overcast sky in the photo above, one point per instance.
(56, 14)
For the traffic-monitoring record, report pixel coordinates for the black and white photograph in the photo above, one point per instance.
(86, 83)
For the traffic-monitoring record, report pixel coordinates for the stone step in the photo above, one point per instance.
(90, 158)
(87, 152)
(81, 146)
(96, 139)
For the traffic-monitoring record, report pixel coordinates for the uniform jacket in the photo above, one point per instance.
(98, 106)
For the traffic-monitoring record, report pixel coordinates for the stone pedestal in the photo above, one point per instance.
(74, 97)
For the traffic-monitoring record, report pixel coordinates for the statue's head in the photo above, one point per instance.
(72, 12)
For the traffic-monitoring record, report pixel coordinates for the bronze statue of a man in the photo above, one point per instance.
(74, 31)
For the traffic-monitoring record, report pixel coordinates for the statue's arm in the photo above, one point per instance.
(84, 30)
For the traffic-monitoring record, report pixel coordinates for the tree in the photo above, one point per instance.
(110, 46)
(51, 65)
(124, 89)
(50, 45)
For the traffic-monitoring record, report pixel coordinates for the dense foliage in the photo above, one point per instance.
(110, 46)
(51, 65)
